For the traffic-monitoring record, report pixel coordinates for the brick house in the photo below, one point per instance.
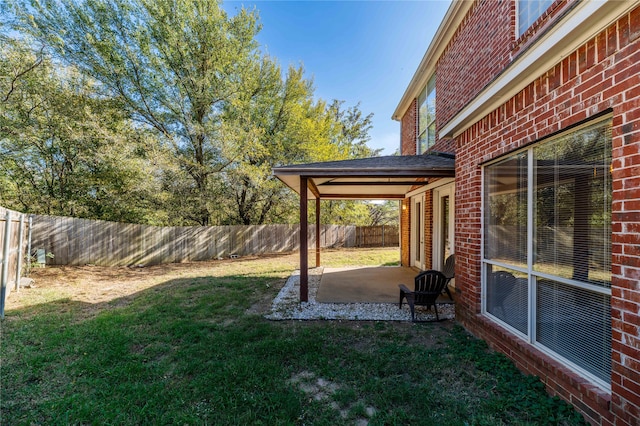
(540, 103)
(520, 153)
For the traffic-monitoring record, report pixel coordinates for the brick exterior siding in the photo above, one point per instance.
(600, 77)
(474, 57)
(405, 229)
(408, 127)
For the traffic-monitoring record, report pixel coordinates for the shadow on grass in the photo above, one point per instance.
(189, 351)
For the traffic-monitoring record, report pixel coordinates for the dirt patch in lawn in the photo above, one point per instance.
(96, 285)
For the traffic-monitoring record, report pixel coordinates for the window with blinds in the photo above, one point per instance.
(547, 246)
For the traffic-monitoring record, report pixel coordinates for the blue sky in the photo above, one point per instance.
(357, 51)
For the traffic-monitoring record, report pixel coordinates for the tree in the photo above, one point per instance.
(350, 133)
(173, 64)
(280, 123)
(352, 129)
(63, 151)
(385, 213)
(214, 113)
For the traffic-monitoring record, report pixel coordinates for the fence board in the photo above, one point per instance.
(81, 241)
(13, 262)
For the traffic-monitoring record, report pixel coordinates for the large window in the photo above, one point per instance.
(529, 11)
(547, 247)
(427, 116)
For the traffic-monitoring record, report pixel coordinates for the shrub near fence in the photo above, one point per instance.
(81, 241)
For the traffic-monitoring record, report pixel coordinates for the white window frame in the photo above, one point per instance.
(529, 270)
(428, 90)
(438, 194)
(417, 237)
(522, 27)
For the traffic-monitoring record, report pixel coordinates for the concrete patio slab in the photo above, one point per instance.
(287, 306)
(365, 284)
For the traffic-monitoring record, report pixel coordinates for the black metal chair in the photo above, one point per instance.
(428, 286)
(449, 271)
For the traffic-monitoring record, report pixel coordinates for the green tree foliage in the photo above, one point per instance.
(350, 134)
(270, 120)
(65, 151)
(386, 213)
(174, 94)
(173, 64)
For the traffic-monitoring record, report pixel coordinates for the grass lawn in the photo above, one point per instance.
(188, 344)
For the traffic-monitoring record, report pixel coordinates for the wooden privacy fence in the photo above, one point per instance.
(13, 242)
(81, 241)
(377, 236)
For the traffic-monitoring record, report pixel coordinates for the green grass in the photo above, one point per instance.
(188, 350)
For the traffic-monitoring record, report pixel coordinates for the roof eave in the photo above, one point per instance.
(374, 172)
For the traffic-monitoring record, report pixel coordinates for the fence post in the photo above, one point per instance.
(382, 235)
(30, 224)
(20, 253)
(5, 262)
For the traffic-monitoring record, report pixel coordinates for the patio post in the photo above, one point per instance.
(317, 232)
(304, 249)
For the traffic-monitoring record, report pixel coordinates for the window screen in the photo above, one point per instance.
(573, 207)
(560, 190)
(508, 296)
(505, 230)
(576, 324)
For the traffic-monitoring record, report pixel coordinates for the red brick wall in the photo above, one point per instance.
(428, 229)
(408, 130)
(624, 76)
(483, 45)
(602, 76)
(405, 225)
(479, 50)
(471, 61)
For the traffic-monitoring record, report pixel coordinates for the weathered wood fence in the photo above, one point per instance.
(13, 246)
(74, 241)
(377, 236)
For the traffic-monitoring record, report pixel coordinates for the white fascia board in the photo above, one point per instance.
(584, 22)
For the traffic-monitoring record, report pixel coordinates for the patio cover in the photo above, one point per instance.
(375, 178)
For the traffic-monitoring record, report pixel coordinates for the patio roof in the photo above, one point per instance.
(375, 178)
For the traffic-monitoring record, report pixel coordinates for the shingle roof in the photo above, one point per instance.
(390, 163)
(388, 177)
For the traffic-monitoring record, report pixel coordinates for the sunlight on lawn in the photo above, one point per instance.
(99, 284)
